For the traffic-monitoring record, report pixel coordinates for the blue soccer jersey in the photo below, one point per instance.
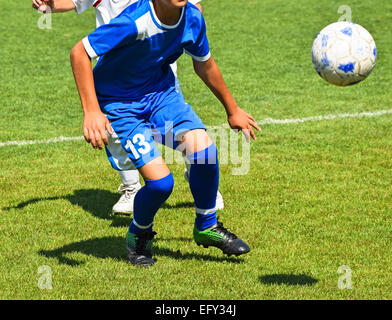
(136, 50)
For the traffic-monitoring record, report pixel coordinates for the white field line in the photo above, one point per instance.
(365, 114)
(260, 123)
(48, 141)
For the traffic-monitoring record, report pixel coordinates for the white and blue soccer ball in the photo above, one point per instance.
(344, 53)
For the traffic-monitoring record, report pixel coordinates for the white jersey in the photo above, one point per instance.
(106, 10)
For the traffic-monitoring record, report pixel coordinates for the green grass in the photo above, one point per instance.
(318, 196)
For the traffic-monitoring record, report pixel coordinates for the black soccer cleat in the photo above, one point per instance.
(218, 236)
(139, 248)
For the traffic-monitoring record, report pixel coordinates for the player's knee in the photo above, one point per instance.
(207, 156)
(195, 140)
(161, 188)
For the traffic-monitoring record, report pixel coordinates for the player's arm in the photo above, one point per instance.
(120, 31)
(206, 68)
(54, 5)
(209, 72)
(95, 122)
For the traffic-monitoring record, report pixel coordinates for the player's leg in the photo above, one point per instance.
(219, 198)
(189, 136)
(220, 205)
(204, 181)
(158, 187)
(132, 146)
(201, 155)
(129, 175)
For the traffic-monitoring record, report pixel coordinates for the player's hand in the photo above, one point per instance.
(240, 120)
(37, 3)
(42, 5)
(95, 125)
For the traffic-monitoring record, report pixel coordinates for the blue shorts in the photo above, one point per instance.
(157, 117)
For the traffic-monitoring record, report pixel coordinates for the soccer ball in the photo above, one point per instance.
(344, 53)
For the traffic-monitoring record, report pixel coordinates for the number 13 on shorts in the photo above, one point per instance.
(138, 146)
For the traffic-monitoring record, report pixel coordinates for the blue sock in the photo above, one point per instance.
(204, 182)
(148, 200)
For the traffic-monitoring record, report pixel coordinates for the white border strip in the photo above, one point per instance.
(260, 123)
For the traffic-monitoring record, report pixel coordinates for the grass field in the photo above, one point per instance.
(318, 195)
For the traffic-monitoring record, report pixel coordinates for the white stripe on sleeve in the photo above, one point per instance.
(89, 49)
(200, 59)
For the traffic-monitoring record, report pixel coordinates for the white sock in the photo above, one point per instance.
(129, 177)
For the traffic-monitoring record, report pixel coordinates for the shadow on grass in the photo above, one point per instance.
(288, 279)
(98, 203)
(180, 205)
(114, 248)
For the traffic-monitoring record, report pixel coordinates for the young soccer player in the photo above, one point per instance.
(105, 11)
(130, 96)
